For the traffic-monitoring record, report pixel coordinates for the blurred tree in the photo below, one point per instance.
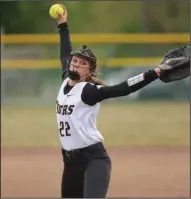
(169, 16)
(97, 16)
(172, 8)
(8, 13)
(24, 16)
(106, 16)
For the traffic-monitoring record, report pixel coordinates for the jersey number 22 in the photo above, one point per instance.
(64, 129)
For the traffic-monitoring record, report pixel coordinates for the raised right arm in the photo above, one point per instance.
(65, 44)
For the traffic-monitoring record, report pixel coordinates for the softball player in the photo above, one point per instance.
(87, 165)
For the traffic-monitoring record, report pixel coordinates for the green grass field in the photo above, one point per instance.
(146, 123)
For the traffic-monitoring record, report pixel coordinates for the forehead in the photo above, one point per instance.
(79, 58)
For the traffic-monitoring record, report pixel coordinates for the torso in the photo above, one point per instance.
(76, 120)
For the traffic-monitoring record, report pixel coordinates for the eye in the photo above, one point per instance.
(84, 63)
(74, 60)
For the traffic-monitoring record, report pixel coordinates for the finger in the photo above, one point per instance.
(65, 11)
(59, 14)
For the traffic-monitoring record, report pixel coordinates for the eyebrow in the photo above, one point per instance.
(83, 60)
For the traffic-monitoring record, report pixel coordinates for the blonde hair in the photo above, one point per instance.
(92, 78)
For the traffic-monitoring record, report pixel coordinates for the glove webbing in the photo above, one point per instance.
(178, 52)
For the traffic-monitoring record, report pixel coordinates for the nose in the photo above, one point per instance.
(75, 67)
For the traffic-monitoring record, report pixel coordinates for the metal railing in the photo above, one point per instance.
(138, 38)
(152, 38)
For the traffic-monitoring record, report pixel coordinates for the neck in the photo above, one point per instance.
(72, 82)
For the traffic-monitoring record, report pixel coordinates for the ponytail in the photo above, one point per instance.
(95, 80)
(92, 78)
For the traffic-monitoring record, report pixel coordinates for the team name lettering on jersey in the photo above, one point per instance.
(64, 109)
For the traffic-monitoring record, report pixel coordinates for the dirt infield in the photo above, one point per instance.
(136, 172)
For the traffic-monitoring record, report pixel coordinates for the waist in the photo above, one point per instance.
(91, 148)
(80, 140)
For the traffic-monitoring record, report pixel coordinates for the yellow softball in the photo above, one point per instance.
(54, 9)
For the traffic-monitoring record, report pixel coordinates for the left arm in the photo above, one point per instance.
(92, 95)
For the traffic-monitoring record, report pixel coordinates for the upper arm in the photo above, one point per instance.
(65, 48)
(93, 94)
(90, 94)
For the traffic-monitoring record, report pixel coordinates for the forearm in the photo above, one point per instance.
(65, 45)
(127, 87)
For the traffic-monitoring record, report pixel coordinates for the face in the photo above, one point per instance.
(80, 65)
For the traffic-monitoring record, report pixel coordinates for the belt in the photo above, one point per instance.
(91, 148)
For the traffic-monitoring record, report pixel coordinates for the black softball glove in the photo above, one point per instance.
(175, 65)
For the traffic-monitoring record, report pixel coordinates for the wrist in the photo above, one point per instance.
(63, 25)
(62, 22)
(158, 71)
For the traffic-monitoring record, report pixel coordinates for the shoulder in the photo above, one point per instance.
(87, 86)
(90, 87)
(93, 86)
(90, 94)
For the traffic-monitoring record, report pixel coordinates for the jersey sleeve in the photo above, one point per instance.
(93, 94)
(65, 48)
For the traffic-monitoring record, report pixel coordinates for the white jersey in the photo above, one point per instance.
(76, 120)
